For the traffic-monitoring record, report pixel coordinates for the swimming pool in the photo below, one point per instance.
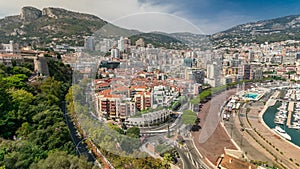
(251, 95)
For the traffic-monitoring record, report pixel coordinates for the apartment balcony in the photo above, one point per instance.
(123, 114)
(104, 112)
(103, 108)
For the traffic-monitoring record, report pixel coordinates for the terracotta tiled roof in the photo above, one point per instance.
(121, 88)
(138, 87)
(112, 96)
(30, 51)
(234, 163)
(105, 92)
(102, 84)
(9, 55)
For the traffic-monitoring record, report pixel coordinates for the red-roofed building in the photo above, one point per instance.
(8, 58)
(143, 100)
(229, 162)
(102, 86)
(108, 105)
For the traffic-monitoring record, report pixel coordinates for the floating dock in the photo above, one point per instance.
(290, 111)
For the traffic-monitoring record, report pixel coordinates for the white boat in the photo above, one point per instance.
(279, 121)
(281, 108)
(282, 133)
(296, 125)
(281, 115)
(296, 116)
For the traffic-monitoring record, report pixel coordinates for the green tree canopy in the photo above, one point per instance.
(60, 159)
(20, 154)
(189, 117)
(16, 81)
(133, 132)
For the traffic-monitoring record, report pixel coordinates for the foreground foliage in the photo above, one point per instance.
(32, 126)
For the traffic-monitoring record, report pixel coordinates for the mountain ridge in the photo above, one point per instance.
(49, 25)
(270, 30)
(54, 25)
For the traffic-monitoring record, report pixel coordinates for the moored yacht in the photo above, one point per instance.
(282, 133)
(296, 125)
(279, 120)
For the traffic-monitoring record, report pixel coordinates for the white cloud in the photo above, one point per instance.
(110, 10)
(144, 15)
(156, 21)
(107, 9)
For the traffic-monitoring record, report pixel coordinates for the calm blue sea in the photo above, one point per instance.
(268, 118)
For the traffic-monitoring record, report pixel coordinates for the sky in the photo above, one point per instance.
(196, 16)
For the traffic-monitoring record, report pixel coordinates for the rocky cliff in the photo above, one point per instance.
(49, 25)
(30, 13)
(54, 26)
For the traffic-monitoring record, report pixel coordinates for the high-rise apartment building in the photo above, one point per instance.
(89, 43)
